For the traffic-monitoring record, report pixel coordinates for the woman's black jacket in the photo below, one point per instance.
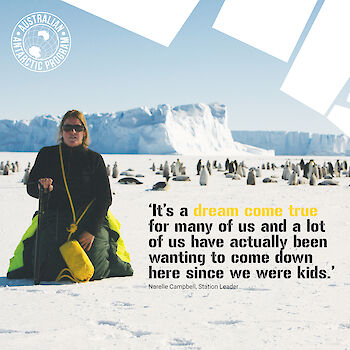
(86, 177)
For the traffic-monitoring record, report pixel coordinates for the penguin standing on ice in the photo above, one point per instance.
(240, 171)
(115, 172)
(6, 170)
(313, 180)
(166, 169)
(209, 167)
(26, 176)
(293, 179)
(258, 172)
(231, 168)
(204, 176)
(251, 177)
(199, 166)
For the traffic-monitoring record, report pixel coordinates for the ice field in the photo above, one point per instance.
(124, 313)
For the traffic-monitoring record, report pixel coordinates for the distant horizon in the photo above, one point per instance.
(59, 115)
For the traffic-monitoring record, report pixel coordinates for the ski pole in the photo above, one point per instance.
(42, 193)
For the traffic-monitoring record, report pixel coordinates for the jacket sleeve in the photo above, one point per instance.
(36, 173)
(102, 195)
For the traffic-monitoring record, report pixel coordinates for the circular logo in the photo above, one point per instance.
(40, 42)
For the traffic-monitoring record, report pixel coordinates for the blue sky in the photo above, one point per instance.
(111, 69)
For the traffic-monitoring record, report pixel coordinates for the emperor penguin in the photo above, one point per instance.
(231, 167)
(173, 169)
(240, 170)
(209, 167)
(115, 172)
(258, 172)
(345, 165)
(26, 176)
(166, 169)
(199, 166)
(6, 170)
(286, 173)
(313, 180)
(108, 170)
(330, 168)
(293, 179)
(337, 165)
(177, 167)
(320, 172)
(251, 177)
(161, 186)
(204, 176)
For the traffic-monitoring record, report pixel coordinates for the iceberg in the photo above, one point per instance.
(296, 142)
(187, 129)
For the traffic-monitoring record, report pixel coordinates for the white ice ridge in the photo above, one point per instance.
(296, 142)
(188, 129)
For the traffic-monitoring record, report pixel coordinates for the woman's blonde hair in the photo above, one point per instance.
(75, 114)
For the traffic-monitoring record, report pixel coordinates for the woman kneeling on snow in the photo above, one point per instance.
(78, 199)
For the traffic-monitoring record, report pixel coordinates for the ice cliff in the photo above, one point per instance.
(187, 129)
(295, 142)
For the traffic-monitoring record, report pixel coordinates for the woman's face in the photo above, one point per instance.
(72, 138)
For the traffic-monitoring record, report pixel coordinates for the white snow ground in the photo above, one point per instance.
(123, 313)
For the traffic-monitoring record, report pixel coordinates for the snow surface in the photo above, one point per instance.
(187, 129)
(295, 142)
(123, 313)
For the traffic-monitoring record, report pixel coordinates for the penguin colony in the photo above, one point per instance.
(291, 173)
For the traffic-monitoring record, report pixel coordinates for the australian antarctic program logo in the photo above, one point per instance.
(40, 42)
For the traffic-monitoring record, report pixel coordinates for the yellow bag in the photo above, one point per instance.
(79, 264)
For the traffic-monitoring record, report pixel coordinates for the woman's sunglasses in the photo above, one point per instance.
(69, 127)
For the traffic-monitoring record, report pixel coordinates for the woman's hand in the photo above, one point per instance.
(86, 239)
(46, 183)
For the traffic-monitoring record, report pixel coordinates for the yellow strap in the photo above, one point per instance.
(72, 277)
(65, 183)
(74, 226)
